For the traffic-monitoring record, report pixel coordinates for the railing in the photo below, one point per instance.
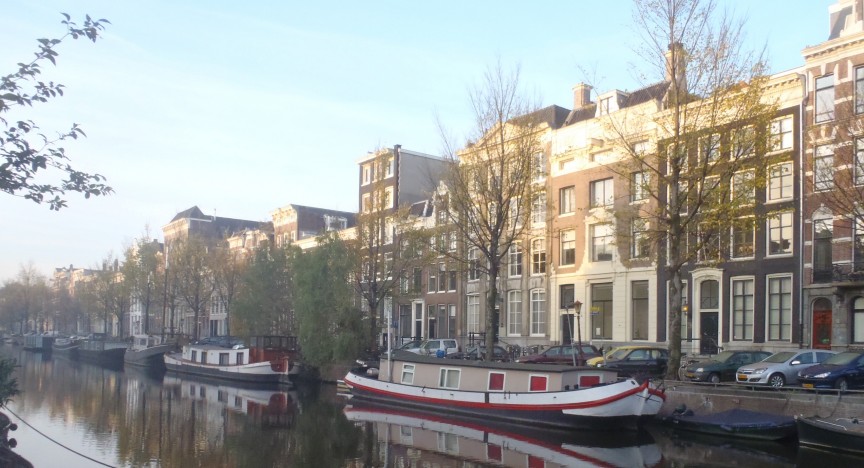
(848, 273)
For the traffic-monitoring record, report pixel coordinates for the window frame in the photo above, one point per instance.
(785, 182)
(780, 137)
(566, 200)
(783, 313)
(823, 168)
(601, 193)
(407, 369)
(638, 182)
(607, 245)
(747, 296)
(445, 377)
(514, 260)
(771, 229)
(824, 98)
(539, 322)
(538, 256)
(514, 312)
(568, 247)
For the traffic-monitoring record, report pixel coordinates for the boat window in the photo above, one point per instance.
(223, 359)
(449, 378)
(408, 374)
(240, 359)
(203, 357)
(194, 355)
(496, 381)
(537, 383)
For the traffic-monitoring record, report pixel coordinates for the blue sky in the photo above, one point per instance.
(243, 107)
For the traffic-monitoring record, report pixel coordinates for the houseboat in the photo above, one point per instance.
(265, 359)
(408, 433)
(38, 343)
(97, 349)
(148, 351)
(66, 345)
(537, 394)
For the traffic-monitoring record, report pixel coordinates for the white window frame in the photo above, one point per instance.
(785, 182)
(538, 312)
(732, 240)
(771, 227)
(786, 313)
(607, 245)
(472, 311)
(446, 376)
(709, 148)
(538, 256)
(824, 101)
(748, 310)
(823, 168)
(538, 208)
(568, 244)
(408, 370)
(567, 200)
(781, 137)
(601, 193)
(514, 312)
(514, 260)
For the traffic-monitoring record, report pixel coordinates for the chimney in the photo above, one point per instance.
(676, 64)
(581, 95)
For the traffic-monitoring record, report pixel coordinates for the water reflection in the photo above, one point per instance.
(404, 435)
(133, 418)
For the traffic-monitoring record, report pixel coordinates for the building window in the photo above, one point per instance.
(496, 381)
(432, 284)
(417, 280)
(388, 167)
(566, 296)
(709, 295)
(566, 200)
(859, 162)
(824, 98)
(781, 137)
(514, 312)
(473, 264)
(858, 320)
(451, 280)
(682, 195)
(601, 193)
(780, 182)
(639, 309)
(640, 246)
(601, 242)
(709, 148)
(823, 168)
(743, 238)
(514, 263)
(442, 277)
(742, 309)
(744, 187)
(823, 235)
(601, 311)
(538, 383)
(538, 208)
(780, 308)
(858, 247)
(538, 312)
(568, 247)
(539, 167)
(449, 378)
(604, 105)
(638, 186)
(408, 374)
(473, 309)
(780, 234)
(743, 143)
(859, 90)
(367, 174)
(538, 256)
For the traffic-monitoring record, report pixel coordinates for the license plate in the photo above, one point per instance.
(807, 385)
(742, 377)
(689, 375)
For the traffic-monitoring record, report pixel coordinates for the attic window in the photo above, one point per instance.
(604, 105)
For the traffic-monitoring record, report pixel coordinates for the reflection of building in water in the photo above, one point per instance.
(265, 406)
(406, 437)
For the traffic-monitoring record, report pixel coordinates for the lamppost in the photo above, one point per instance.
(577, 307)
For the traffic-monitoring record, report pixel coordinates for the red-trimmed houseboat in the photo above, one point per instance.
(265, 359)
(537, 394)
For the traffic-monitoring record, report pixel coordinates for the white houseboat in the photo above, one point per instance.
(538, 394)
(265, 359)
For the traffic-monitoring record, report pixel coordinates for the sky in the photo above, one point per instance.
(244, 107)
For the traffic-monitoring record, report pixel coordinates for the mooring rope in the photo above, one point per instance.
(6, 408)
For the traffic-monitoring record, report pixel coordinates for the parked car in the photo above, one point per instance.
(479, 352)
(637, 361)
(722, 366)
(605, 355)
(431, 347)
(781, 368)
(561, 354)
(841, 371)
(410, 345)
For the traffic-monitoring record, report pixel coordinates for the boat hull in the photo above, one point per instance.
(260, 372)
(152, 356)
(843, 435)
(615, 405)
(104, 356)
(737, 423)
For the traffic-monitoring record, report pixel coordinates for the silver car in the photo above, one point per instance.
(781, 368)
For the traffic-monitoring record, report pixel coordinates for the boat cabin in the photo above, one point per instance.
(458, 374)
(260, 349)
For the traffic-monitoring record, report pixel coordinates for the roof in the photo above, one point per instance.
(193, 212)
(554, 116)
(640, 96)
(422, 208)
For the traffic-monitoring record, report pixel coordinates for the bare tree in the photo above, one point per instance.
(694, 150)
(142, 270)
(25, 300)
(192, 277)
(386, 244)
(228, 269)
(489, 187)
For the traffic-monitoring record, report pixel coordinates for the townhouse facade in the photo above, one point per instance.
(833, 161)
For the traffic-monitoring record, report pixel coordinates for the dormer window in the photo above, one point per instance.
(605, 105)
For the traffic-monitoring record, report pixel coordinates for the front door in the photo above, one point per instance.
(822, 324)
(708, 323)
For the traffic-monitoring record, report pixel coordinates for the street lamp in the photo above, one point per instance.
(577, 307)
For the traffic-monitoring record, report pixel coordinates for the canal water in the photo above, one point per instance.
(72, 414)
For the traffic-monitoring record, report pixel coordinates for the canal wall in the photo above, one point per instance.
(711, 398)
